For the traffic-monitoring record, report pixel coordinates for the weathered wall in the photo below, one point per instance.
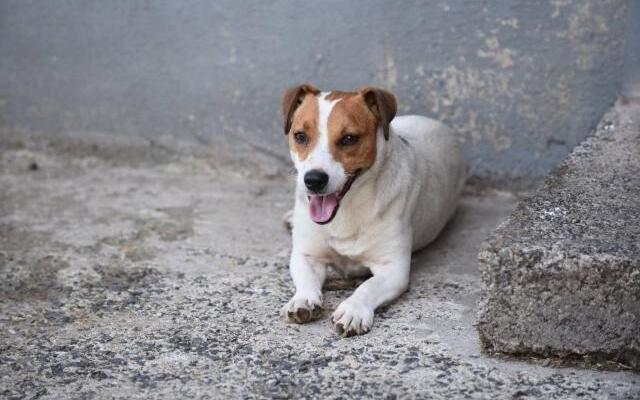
(523, 81)
(631, 80)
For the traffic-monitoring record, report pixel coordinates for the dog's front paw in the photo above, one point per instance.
(302, 309)
(351, 318)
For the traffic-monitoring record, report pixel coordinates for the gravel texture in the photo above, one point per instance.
(562, 274)
(131, 271)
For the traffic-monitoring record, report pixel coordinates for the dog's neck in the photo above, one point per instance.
(371, 193)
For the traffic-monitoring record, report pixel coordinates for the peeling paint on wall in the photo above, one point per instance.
(587, 32)
(522, 81)
(502, 57)
(452, 88)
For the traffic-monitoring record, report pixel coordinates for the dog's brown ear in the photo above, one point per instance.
(382, 104)
(291, 99)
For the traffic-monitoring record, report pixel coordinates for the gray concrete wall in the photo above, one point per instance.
(523, 81)
(631, 81)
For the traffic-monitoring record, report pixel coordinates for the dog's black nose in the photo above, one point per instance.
(316, 180)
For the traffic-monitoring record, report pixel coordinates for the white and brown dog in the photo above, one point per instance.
(371, 189)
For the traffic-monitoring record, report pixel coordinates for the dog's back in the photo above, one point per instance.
(439, 174)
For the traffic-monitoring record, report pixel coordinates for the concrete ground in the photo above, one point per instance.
(128, 270)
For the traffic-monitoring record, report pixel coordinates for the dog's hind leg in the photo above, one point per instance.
(287, 220)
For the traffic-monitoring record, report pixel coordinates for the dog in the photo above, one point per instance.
(371, 188)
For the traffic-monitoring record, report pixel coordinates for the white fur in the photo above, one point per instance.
(397, 206)
(320, 157)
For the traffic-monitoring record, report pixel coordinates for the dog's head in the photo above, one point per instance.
(333, 138)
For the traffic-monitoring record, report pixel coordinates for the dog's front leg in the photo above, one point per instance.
(354, 316)
(308, 276)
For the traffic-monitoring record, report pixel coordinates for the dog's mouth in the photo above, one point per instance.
(323, 208)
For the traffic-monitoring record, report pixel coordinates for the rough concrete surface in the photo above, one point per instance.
(562, 275)
(131, 271)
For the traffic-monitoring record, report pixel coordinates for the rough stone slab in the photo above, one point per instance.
(130, 272)
(562, 275)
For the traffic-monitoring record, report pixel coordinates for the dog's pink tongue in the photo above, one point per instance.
(322, 207)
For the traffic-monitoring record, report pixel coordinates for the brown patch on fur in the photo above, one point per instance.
(382, 104)
(356, 113)
(305, 118)
(339, 95)
(292, 99)
(351, 116)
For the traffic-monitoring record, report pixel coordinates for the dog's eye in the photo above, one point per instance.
(301, 137)
(348, 140)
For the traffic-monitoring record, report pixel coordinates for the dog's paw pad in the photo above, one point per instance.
(301, 311)
(303, 315)
(341, 331)
(352, 319)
